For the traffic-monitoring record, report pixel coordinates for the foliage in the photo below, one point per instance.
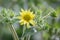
(47, 20)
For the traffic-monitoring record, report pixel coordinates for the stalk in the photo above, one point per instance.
(24, 28)
(28, 37)
(13, 32)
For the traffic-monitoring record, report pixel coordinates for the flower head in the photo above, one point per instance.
(26, 17)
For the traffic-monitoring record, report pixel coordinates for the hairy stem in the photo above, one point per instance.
(28, 37)
(24, 28)
(14, 32)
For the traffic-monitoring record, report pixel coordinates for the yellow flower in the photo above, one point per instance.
(26, 18)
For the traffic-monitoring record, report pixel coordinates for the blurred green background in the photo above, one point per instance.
(51, 30)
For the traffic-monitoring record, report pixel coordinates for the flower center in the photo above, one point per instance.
(27, 18)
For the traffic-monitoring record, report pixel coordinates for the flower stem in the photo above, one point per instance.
(24, 28)
(28, 37)
(14, 32)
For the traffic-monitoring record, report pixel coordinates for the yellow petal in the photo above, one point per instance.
(32, 22)
(21, 22)
(28, 26)
(18, 17)
(22, 10)
(25, 22)
(22, 13)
